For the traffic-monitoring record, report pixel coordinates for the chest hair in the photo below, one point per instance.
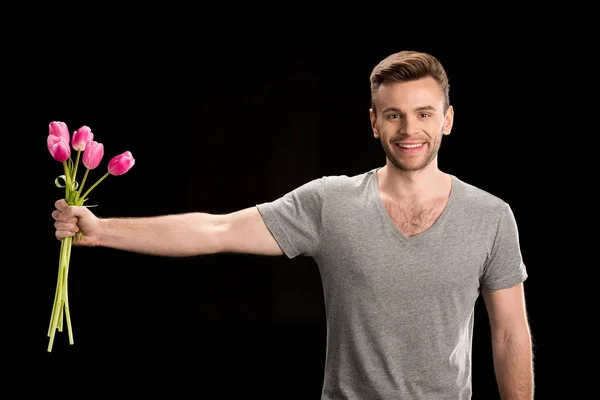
(412, 217)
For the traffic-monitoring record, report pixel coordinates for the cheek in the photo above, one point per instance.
(436, 125)
(388, 127)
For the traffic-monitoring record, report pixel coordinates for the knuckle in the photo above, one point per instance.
(61, 204)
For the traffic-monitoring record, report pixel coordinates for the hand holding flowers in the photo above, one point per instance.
(59, 145)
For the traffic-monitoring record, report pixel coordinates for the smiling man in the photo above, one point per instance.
(414, 115)
(404, 251)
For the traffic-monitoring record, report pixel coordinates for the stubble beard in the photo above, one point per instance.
(410, 167)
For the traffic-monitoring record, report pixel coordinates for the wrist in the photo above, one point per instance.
(102, 234)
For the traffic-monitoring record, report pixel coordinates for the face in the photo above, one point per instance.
(410, 122)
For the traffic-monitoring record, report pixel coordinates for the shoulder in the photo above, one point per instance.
(333, 189)
(478, 200)
(348, 182)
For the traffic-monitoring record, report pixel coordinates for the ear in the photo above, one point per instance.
(373, 123)
(448, 121)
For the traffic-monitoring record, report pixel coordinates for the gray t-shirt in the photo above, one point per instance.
(399, 310)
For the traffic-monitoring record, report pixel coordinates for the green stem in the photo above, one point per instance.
(82, 183)
(67, 180)
(76, 165)
(54, 305)
(67, 174)
(58, 302)
(65, 289)
(94, 185)
(60, 309)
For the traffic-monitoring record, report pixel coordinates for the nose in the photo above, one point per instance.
(410, 125)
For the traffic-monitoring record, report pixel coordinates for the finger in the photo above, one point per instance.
(60, 235)
(66, 226)
(66, 214)
(61, 218)
(57, 216)
(61, 204)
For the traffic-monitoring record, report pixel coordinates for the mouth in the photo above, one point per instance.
(410, 147)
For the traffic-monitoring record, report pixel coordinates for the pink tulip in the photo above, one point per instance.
(59, 148)
(120, 164)
(59, 129)
(81, 137)
(93, 154)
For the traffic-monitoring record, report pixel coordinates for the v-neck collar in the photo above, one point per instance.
(388, 218)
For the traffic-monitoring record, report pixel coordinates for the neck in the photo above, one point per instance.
(424, 184)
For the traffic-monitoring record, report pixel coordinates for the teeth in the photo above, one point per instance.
(410, 146)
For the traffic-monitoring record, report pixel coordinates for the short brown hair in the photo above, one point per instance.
(406, 66)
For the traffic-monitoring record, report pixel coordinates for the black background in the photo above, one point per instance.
(217, 125)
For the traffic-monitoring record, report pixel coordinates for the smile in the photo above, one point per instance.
(409, 148)
(409, 145)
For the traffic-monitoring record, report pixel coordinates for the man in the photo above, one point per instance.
(403, 250)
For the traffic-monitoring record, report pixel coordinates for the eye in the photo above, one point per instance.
(393, 116)
(424, 115)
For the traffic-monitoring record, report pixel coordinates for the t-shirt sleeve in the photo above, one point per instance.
(294, 219)
(505, 267)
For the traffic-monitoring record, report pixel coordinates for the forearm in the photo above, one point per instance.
(513, 363)
(177, 235)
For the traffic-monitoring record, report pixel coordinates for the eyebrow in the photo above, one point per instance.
(422, 108)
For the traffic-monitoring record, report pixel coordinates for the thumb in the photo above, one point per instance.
(61, 205)
(68, 212)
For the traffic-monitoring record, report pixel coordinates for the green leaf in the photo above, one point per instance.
(84, 200)
(64, 178)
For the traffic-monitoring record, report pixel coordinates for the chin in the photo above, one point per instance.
(409, 167)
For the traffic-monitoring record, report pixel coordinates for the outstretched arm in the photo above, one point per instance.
(511, 342)
(176, 235)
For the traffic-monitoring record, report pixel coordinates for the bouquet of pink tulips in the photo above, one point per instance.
(59, 145)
